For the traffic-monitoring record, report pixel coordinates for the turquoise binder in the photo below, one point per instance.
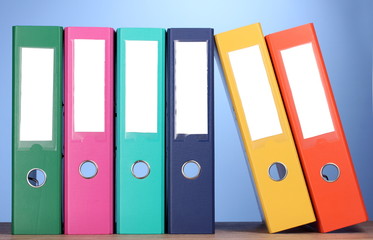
(140, 131)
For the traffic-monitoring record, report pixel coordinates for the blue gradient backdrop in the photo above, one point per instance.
(345, 31)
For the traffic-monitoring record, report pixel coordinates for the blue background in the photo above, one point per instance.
(345, 31)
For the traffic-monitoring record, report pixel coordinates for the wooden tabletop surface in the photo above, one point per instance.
(230, 231)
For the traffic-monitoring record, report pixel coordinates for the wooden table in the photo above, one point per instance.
(229, 231)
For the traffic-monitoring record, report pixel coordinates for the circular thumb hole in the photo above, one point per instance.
(88, 169)
(36, 177)
(140, 169)
(277, 171)
(330, 172)
(191, 169)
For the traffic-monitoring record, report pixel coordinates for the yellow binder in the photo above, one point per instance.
(264, 127)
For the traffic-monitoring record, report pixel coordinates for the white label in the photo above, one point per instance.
(37, 70)
(307, 90)
(89, 85)
(141, 86)
(191, 99)
(255, 92)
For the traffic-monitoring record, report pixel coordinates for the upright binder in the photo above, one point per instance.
(190, 131)
(37, 141)
(140, 131)
(89, 120)
(317, 128)
(264, 127)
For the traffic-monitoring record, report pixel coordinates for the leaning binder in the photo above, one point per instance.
(89, 147)
(317, 128)
(264, 127)
(140, 130)
(37, 141)
(190, 131)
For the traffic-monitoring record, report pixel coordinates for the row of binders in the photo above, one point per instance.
(119, 133)
(73, 123)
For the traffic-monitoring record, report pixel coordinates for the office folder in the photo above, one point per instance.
(190, 131)
(89, 139)
(37, 138)
(140, 130)
(265, 131)
(317, 128)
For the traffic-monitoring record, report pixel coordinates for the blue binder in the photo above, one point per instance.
(190, 131)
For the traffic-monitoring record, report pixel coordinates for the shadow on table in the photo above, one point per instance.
(259, 227)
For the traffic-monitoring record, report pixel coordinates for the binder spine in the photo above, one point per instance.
(190, 203)
(32, 150)
(140, 201)
(89, 200)
(323, 146)
(241, 51)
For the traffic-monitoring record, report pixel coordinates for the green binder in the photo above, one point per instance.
(140, 131)
(37, 137)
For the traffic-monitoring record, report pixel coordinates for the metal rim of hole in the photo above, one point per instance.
(80, 169)
(45, 175)
(286, 171)
(133, 168)
(196, 163)
(330, 164)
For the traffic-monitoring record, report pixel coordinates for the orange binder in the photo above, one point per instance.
(317, 128)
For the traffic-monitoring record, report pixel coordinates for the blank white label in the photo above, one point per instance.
(307, 90)
(255, 92)
(37, 70)
(141, 86)
(89, 85)
(191, 116)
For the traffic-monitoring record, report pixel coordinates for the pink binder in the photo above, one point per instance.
(89, 135)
